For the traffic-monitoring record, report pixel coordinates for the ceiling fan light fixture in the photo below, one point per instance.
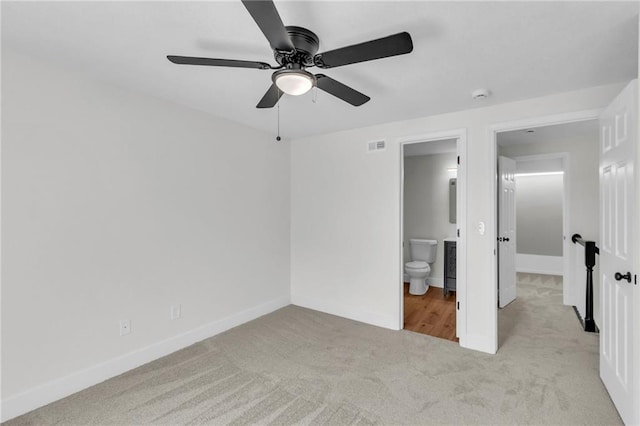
(294, 81)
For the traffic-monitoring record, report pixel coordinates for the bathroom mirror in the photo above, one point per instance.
(452, 200)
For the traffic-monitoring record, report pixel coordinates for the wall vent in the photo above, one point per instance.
(376, 146)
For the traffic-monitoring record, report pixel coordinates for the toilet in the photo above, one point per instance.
(423, 252)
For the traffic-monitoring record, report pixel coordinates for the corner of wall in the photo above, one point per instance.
(350, 312)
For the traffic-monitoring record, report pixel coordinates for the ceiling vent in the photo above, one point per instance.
(376, 146)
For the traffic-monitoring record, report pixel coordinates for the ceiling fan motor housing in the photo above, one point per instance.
(306, 44)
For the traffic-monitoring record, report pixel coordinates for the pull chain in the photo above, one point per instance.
(278, 136)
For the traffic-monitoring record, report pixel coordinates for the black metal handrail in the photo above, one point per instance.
(590, 251)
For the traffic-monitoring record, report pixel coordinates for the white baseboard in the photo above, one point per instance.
(350, 312)
(535, 264)
(432, 281)
(54, 390)
(435, 282)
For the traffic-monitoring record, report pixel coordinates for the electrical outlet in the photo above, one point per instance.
(176, 311)
(125, 327)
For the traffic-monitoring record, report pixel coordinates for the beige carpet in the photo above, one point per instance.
(297, 366)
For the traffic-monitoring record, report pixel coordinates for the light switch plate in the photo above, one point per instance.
(176, 311)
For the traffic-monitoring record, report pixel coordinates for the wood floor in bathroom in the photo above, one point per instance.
(432, 313)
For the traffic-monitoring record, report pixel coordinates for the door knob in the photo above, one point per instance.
(619, 277)
(505, 239)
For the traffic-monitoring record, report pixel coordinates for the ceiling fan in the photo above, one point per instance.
(294, 49)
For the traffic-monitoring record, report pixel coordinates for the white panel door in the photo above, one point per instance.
(619, 298)
(506, 231)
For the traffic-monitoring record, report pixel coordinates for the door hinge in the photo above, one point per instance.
(635, 279)
(458, 305)
(458, 232)
(494, 252)
(458, 159)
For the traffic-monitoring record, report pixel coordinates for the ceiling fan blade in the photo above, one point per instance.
(393, 45)
(266, 15)
(271, 98)
(341, 91)
(187, 60)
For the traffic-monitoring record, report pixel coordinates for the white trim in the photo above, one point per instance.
(54, 390)
(493, 130)
(461, 244)
(478, 342)
(435, 282)
(492, 229)
(1, 257)
(461, 247)
(537, 264)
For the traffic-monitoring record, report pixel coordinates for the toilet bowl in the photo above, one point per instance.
(418, 271)
(422, 253)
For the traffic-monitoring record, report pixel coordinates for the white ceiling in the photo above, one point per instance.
(517, 50)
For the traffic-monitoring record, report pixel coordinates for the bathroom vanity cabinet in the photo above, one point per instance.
(449, 266)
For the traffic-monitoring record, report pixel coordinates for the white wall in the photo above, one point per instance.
(345, 231)
(117, 205)
(584, 210)
(426, 205)
(539, 215)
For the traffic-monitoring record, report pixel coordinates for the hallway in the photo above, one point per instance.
(537, 311)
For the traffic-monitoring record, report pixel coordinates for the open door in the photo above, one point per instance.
(506, 231)
(619, 297)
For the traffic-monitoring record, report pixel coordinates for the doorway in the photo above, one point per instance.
(433, 216)
(556, 195)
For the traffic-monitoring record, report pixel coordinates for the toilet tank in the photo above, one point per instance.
(424, 250)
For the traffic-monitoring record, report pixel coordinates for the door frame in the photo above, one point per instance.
(493, 130)
(566, 209)
(461, 210)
